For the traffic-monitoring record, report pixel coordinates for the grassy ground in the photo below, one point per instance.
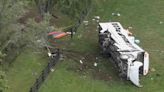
(69, 76)
(25, 69)
(144, 16)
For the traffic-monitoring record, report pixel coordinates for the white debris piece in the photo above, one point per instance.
(153, 69)
(130, 27)
(81, 62)
(39, 41)
(118, 14)
(97, 21)
(71, 33)
(161, 22)
(86, 22)
(52, 70)
(93, 19)
(95, 64)
(49, 54)
(152, 78)
(137, 41)
(113, 14)
(97, 17)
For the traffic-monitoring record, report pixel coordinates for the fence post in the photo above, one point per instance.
(43, 77)
(37, 84)
(31, 90)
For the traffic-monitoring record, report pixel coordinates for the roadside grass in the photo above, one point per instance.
(144, 16)
(24, 71)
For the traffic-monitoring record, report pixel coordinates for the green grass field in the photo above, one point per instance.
(24, 70)
(143, 15)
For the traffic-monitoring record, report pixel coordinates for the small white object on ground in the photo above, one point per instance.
(137, 41)
(161, 22)
(93, 19)
(81, 62)
(97, 17)
(153, 69)
(95, 64)
(130, 27)
(52, 70)
(86, 22)
(39, 41)
(118, 14)
(49, 54)
(97, 20)
(113, 13)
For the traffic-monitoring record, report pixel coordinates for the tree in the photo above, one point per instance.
(45, 6)
(35, 34)
(11, 11)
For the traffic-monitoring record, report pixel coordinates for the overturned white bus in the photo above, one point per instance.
(130, 59)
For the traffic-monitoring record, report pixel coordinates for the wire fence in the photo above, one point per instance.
(45, 72)
(56, 54)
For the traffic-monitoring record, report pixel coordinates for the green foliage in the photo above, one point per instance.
(35, 34)
(11, 11)
(73, 8)
(2, 57)
(10, 29)
(45, 6)
(3, 81)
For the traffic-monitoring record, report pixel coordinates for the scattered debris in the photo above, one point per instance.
(97, 21)
(86, 23)
(97, 17)
(161, 22)
(52, 70)
(49, 54)
(130, 27)
(152, 78)
(95, 64)
(93, 19)
(113, 14)
(61, 57)
(137, 41)
(153, 69)
(116, 14)
(39, 41)
(81, 62)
